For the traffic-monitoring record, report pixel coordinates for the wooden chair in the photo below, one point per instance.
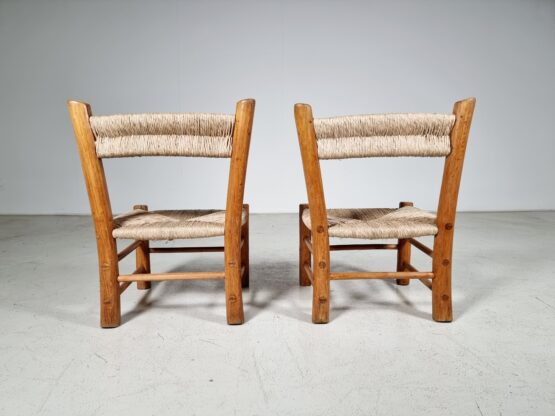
(391, 135)
(186, 134)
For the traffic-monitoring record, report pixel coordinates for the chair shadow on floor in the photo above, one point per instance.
(156, 296)
(466, 294)
(269, 282)
(274, 286)
(370, 294)
(273, 283)
(475, 280)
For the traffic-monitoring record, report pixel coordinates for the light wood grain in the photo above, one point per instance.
(348, 247)
(318, 216)
(157, 277)
(308, 272)
(380, 275)
(403, 251)
(442, 309)
(305, 249)
(142, 256)
(308, 245)
(207, 249)
(127, 250)
(423, 248)
(95, 180)
(245, 249)
(425, 282)
(235, 192)
(123, 286)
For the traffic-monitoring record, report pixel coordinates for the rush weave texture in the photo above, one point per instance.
(173, 134)
(378, 223)
(421, 134)
(170, 225)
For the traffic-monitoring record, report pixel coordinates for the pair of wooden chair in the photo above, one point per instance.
(219, 135)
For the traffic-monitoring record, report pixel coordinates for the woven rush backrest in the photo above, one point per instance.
(421, 134)
(173, 134)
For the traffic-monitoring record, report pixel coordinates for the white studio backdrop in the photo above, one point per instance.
(343, 57)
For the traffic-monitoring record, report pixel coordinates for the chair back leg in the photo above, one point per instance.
(305, 258)
(142, 256)
(403, 252)
(245, 250)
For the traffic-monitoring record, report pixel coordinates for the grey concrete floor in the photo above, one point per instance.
(381, 354)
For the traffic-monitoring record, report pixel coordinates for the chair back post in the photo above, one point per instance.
(452, 171)
(447, 208)
(318, 215)
(101, 210)
(244, 116)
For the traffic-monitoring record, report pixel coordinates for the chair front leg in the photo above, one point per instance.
(442, 305)
(320, 277)
(233, 291)
(321, 289)
(245, 249)
(110, 309)
(304, 253)
(320, 271)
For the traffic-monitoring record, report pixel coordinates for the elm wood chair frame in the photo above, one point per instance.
(236, 232)
(314, 246)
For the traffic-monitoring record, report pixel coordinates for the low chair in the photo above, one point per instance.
(386, 135)
(185, 134)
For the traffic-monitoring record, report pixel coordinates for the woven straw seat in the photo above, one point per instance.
(170, 225)
(378, 223)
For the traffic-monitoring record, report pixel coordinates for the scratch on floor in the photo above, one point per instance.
(339, 403)
(54, 385)
(478, 406)
(101, 357)
(475, 355)
(210, 342)
(545, 303)
(152, 388)
(294, 358)
(260, 382)
(377, 404)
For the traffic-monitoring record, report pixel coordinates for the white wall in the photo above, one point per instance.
(341, 56)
